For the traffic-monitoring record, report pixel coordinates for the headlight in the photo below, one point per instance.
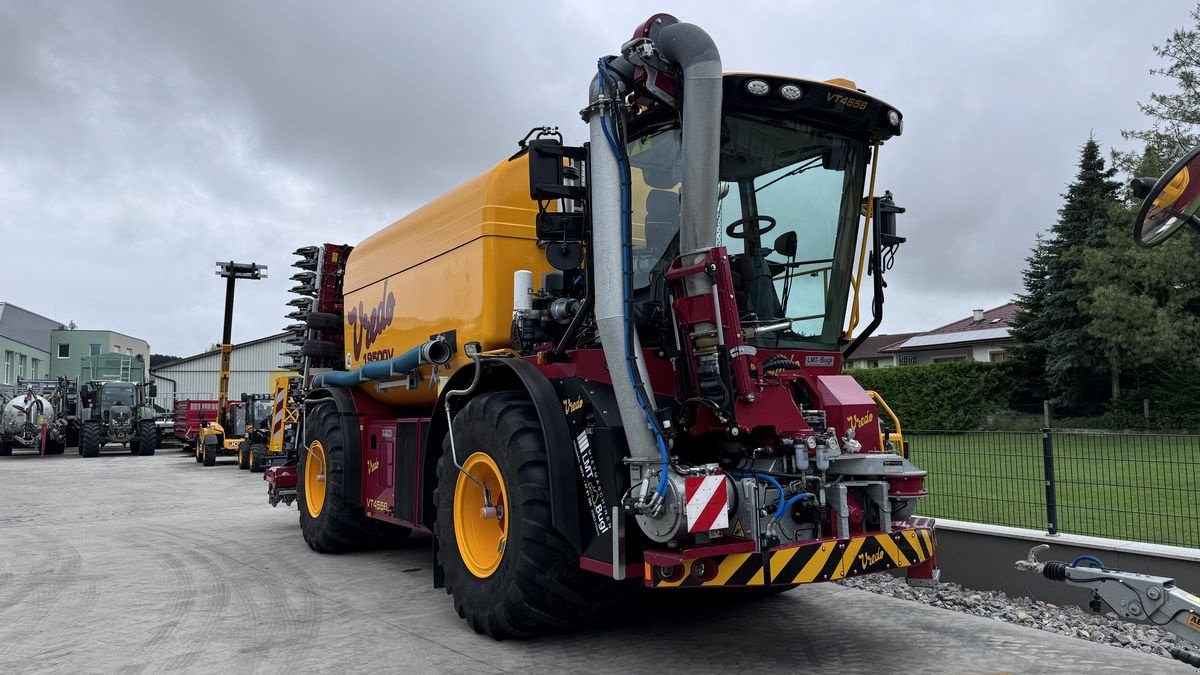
(790, 92)
(893, 118)
(758, 87)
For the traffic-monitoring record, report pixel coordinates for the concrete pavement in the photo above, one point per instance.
(156, 564)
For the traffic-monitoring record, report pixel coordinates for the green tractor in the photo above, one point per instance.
(117, 412)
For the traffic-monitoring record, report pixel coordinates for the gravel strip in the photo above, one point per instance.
(1070, 620)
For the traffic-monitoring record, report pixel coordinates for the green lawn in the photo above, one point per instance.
(1123, 486)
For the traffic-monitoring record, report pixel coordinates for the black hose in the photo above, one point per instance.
(1186, 656)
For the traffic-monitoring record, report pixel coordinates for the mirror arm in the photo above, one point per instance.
(876, 297)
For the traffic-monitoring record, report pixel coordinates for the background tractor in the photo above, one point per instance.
(256, 412)
(117, 412)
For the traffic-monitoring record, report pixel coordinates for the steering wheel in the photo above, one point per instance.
(734, 233)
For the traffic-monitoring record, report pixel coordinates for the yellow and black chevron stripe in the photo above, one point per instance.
(826, 560)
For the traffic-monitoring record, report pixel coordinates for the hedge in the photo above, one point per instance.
(955, 396)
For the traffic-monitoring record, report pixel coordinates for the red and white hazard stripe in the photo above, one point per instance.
(707, 503)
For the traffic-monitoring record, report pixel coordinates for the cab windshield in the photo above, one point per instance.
(262, 413)
(237, 418)
(788, 215)
(116, 394)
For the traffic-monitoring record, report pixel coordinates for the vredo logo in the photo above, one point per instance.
(366, 328)
(867, 559)
(857, 422)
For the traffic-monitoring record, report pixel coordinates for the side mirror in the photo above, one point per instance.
(787, 244)
(152, 390)
(885, 214)
(87, 394)
(1168, 203)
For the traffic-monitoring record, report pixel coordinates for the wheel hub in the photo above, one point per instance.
(480, 527)
(314, 479)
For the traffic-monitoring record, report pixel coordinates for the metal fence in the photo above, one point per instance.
(1138, 487)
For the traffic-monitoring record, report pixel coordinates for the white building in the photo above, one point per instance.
(252, 368)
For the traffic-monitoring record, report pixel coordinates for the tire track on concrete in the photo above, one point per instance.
(215, 594)
(181, 606)
(298, 579)
(288, 622)
(35, 587)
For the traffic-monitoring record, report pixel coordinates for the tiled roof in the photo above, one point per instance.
(997, 317)
(872, 347)
(993, 326)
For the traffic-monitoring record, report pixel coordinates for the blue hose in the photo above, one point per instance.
(783, 503)
(376, 370)
(1088, 558)
(637, 390)
(783, 508)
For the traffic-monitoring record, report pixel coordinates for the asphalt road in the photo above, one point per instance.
(156, 564)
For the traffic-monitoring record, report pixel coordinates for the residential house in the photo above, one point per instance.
(983, 336)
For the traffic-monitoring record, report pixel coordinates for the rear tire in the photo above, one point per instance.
(55, 447)
(332, 521)
(89, 439)
(147, 437)
(537, 586)
(210, 454)
(5, 448)
(243, 458)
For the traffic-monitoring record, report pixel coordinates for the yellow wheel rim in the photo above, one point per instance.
(481, 541)
(314, 479)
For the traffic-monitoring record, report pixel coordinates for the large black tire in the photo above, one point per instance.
(147, 437)
(72, 436)
(209, 452)
(89, 439)
(243, 457)
(322, 349)
(340, 524)
(5, 448)
(54, 447)
(324, 321)
(538, 586)
(258, 458)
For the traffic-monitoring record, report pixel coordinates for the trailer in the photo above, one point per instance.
(39, 415)
(189, 415)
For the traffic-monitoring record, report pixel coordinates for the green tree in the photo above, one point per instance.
(1050, 328)
(1174, 114)
(1140, 316)
(157, 360)
(1027, 356)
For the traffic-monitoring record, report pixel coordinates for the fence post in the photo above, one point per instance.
(1146, 411)
(1046, 414)
(1048, 467)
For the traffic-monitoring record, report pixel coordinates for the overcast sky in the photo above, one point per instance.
(142, 141)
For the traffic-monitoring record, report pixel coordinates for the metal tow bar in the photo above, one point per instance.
(1135, 597)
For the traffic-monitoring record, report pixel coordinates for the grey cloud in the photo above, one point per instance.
(142, 141)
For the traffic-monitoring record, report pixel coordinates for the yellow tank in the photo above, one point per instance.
(447, 266)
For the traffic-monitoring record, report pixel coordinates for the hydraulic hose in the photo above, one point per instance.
(783, 502)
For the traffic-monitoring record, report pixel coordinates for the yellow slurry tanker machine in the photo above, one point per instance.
(621, 361)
